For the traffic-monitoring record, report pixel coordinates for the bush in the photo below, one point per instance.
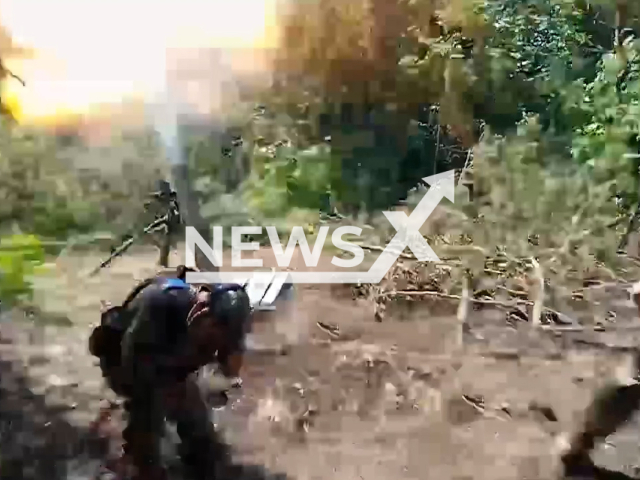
(58, 192)
(20, 257)
(533, 215)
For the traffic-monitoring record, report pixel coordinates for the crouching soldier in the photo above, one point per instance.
(150, 349)
(612, 407)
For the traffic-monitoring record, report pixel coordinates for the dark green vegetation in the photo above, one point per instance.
(368, 97)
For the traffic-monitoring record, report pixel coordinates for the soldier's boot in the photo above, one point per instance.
(201, 450)
(141, 442)
(609, 410)
(204, 461)
(139, 460)
(124, 468)
(165, 251)
(150, 472)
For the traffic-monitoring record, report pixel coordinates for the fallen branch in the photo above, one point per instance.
(427, 293)
(590, 328)
(447, 261)
(481, 301)
(377, 248)
(515, 293)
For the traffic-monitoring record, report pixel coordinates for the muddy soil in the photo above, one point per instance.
(362, 400)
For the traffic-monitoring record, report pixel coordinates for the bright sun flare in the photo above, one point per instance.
(98, 51)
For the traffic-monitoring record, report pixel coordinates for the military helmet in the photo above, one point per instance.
(231, 308)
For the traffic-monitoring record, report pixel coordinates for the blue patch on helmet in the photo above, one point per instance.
(175, 284)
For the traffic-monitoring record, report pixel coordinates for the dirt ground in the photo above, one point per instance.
(391, 400)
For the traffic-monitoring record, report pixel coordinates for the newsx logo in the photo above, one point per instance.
(267, 284)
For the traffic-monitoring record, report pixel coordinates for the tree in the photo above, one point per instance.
(8, 51)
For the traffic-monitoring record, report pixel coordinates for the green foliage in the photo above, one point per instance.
(530, 205)
(536, 46)
(606, 118)
(289, 179)
(333, 137)
(57, 193)
(33, 183)
(527, 194)
(491, 63)
(20, 257)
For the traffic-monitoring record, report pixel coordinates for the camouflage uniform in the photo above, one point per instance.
(148, 368)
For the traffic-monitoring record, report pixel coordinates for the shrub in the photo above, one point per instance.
(20, 257)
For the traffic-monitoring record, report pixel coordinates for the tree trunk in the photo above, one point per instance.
(621, 21)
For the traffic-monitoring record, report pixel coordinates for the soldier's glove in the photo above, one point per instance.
(215, 388)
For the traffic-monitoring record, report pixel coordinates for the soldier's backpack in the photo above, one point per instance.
(105, 339)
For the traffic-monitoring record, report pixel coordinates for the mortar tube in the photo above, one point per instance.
(190, 211)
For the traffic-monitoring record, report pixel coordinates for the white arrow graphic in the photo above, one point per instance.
(442, 185)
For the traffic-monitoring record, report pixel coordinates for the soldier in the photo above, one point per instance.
(149, 350)
(165, 202)
(612, 406)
